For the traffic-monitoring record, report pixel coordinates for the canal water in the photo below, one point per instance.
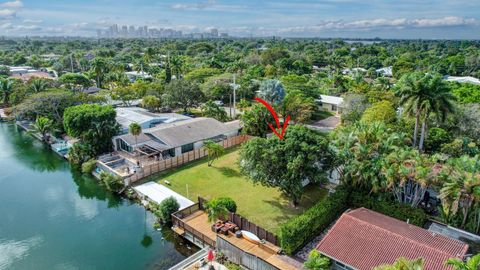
(52, 217)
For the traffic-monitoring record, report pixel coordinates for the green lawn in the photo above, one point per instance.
(262, 205)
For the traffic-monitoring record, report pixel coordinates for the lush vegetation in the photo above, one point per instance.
(264, 206)
(167, 207)
(299, 230)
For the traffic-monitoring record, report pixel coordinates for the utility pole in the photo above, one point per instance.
(235, 87)
(71, 61)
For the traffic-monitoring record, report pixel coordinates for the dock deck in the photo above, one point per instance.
(197, 224)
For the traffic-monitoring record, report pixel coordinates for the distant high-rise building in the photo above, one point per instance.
(214, 32)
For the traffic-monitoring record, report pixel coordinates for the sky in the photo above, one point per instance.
(412, 19)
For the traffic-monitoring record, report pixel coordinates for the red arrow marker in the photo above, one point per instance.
(275, 116)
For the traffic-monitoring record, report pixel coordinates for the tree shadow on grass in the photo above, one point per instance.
(229, 172)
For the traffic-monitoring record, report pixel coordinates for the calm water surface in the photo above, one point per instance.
(52, 217)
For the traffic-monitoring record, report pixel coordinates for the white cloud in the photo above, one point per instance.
(32, 21)
(199, 5)
(13, 4)
(7, 13)
(376, 24)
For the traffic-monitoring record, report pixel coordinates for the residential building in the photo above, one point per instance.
(362, 239)
(331, 103)
(462, 79)
(176, 138)
(128, 115)
(385, 71)
(134, 75)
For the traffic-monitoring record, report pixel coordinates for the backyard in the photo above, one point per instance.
(265, 206)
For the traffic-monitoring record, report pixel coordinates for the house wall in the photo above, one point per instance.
(330, 107)
(178, 151)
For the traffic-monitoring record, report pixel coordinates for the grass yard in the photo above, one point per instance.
(266, 207)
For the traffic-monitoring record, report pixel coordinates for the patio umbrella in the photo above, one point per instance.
(210, 256)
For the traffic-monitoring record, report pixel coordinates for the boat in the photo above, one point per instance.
(250, 237)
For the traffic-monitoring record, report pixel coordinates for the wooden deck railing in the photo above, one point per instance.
(241, 222)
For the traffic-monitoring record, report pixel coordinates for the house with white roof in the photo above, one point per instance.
(462, 79)
(331, 103)
(385, 71)
(128, 115)
(134, 75)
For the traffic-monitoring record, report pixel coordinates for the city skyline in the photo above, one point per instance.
(430, 19)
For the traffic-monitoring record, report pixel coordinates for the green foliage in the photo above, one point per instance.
(255, 121)
(79, 153)
(403, 264)
(50, 104)
(215, 210)
(167, 207)
(272, 91)
(89, 166)
(214, 150)
(353, 107)
(111, 182)
(298, 106)
(75, 80)
(436, 138)
(152, 103)
(201, 74)
(299, 230)
(472, 263)
(6, 89)
(460, 147)
(182, 94)
(382, 111)
(93, 124)
(466, 92)
(284, 164)
(210, 109)
(390, 208)
(126, 94)
(316, 261)
(229, 204)
(43, 126)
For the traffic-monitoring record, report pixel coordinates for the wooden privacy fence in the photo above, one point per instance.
(166, 164)
(245, 224)
(242, 257)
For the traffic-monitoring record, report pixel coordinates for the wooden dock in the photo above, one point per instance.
(196, 227)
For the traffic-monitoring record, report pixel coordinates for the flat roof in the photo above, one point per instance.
(129, 115)
(159, 193)
(462, 79)
(331, 100)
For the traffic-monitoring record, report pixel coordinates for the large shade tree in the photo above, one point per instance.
(303, 155)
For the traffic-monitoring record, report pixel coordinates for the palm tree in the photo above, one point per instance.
(472, 263)
(99, 66)
(176, 65)
(214, 151)
(424, 94)
(6, 89)
(462, 188)
(215, 210)
(403, 264)
(135, 129)
(38, 85)
(42, 125)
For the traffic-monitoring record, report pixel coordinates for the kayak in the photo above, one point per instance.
(250, 237)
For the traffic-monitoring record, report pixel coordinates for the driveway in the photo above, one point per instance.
(327, 124)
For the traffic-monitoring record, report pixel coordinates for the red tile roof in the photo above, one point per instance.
(364, 239)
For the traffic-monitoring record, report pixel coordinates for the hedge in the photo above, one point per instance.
(415, 216)
(301, 229)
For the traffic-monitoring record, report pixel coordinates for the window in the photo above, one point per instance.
(334, 108)
(187, 148)
(122, 145)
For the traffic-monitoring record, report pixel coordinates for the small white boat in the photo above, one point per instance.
(250, 237)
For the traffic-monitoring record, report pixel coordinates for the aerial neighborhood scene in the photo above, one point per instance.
(240, 135)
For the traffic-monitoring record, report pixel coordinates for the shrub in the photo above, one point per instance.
(111, 182)
(228, 203)
(415, 216)
(299, 230)
(316, 261)
(167, 208)
(89, 166)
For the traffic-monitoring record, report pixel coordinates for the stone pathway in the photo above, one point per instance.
(303, 253)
